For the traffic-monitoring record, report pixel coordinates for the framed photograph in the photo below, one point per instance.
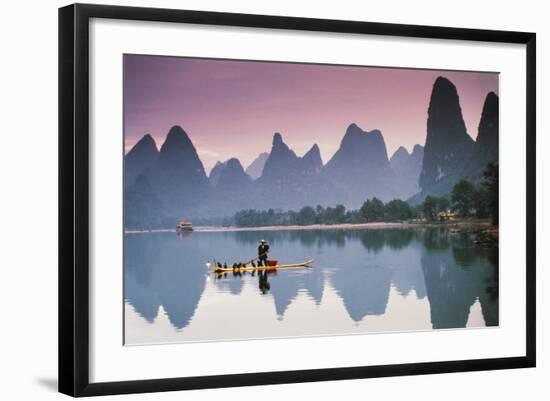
(251, 199)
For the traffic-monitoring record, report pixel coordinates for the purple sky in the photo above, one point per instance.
(232, 108)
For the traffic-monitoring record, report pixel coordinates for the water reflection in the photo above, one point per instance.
(263, 282)
(157, 263)
(361, 266)
(233, 286)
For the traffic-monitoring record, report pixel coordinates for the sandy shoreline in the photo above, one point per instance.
(361, 226)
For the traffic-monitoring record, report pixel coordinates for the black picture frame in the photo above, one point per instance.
(74, 198)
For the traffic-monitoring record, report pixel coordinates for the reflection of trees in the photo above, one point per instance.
(489, 299)
(307, 238)
(394, 238)
(399, 238)
(435, 239)
(493, 282)
(463, 253)
(332, 237)
(251, 238)
(373, 240)
(463, 257)
(455, 277)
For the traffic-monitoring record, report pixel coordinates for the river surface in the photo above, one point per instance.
(361, 281)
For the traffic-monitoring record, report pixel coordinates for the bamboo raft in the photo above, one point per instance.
(305, 264)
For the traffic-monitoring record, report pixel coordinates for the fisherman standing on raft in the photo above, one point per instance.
(263, 250)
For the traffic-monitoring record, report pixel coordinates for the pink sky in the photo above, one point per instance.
(232, 108)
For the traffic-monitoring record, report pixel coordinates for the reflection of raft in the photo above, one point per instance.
(249, 269)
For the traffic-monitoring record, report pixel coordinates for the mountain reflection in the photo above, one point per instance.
(233, 286)
(160, 264)
(361, 266)
(455, 276)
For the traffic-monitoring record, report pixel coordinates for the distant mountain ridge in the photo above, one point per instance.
(280, 162)
(140, 158)
(216, 172)
(360, 169)
(312, 162)
(172, 182)
(256, 168)
(176, 184)
(176, 179)
(486, 148)
(288, 181)
(233, 177)
(407, 167)
(448, 145)
(450, 154)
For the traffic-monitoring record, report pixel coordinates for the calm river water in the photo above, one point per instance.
(361, 281)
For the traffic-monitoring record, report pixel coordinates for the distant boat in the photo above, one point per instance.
(184, 226)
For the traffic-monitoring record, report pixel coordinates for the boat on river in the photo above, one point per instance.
(306, 264)
(184, 226)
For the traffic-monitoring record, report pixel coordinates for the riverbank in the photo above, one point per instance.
(471, 226)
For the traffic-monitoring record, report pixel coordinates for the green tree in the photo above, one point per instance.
(340, 214)
(490, 182)
(397, 210)
(417, 211)
(433, 205)
(442, 204)
(334, 215)
(328, 216)
(372, 210)
(306, 216)
(319, 212)
(463, 197)
(481, 202)
(429, 207)
(354, 217)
